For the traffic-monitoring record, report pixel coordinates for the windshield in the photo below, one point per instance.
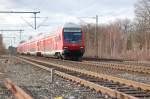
(74, 37)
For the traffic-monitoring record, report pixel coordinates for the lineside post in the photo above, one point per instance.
(52, 74)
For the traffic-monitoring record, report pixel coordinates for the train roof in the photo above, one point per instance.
(71, 25)
(43, 35)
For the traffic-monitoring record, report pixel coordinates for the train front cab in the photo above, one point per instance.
(73, 43)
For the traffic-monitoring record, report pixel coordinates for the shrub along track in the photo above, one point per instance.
(113, 86)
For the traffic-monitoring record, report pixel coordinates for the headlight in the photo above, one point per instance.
(65, 47)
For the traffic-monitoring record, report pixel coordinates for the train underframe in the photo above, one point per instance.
(72, 54)
(65, 54)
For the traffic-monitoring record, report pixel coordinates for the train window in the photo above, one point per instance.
(74, 37)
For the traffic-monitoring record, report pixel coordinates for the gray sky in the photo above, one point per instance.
(59, 12)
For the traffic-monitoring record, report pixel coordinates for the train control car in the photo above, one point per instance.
(66, 42)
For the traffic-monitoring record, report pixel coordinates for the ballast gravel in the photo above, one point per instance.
(37, 82)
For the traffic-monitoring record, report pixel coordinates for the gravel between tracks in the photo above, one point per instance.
(37, 83)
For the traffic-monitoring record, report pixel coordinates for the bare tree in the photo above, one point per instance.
(2, 49)
(142, 11)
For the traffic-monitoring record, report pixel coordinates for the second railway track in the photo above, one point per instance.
(122, 66)
(113, 86)
(110, 65)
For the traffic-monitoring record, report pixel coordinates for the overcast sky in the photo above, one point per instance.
(59, 12)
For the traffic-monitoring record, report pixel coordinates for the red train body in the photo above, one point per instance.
(66, 43)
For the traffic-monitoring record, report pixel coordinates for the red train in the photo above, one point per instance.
(66, 42)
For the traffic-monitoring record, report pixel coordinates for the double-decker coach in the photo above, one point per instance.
(66, 42)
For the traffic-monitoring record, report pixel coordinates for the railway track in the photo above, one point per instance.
(147, 63)
(4, 92)
(8, 90)
(115, 66)
(115, 87)
(16, 91)
(37, 83)
(134, 66)
(119, 61)
(121, 66)
(135, 76)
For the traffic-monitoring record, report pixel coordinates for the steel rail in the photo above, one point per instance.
(111, 92)
(17, 91)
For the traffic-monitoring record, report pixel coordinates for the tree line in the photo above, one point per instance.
(123, 38)
(2, 47)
